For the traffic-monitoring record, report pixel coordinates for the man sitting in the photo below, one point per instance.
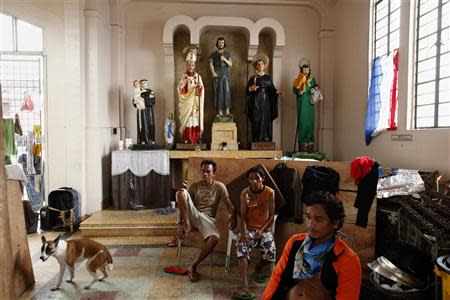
(198, 206)
(257, 216)
(318, 254)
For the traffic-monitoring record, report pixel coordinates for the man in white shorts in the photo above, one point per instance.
(198, 207)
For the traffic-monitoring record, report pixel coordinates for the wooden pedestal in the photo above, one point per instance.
(224, 133)
(263, 146)
(182, 146)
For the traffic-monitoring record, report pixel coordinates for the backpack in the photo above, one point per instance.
(320, 178)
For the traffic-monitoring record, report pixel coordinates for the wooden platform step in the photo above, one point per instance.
(113, 223)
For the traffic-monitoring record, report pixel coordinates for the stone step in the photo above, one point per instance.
(113, 223)
(116, 231)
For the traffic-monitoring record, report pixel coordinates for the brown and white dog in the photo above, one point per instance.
(67, 253)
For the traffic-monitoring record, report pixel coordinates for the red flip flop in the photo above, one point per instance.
(176, 270)
(193, 276)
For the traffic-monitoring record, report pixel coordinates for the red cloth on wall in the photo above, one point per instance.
(360, 167)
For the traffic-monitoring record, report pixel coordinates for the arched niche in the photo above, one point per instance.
(245, 36)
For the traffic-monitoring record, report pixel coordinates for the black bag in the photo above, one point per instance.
(320, 178)
(288, 181)
(44, 214)
(31, 218)
(63, 209)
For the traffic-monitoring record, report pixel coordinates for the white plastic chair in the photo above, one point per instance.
(233, 237)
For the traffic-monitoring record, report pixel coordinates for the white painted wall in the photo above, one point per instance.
(429, 149)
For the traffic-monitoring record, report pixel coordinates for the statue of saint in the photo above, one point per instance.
(261, 105)
(169, 131)
(307, 92)
(219, 64)
(191, 94)
(143, 101)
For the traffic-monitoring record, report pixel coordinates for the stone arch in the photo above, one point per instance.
(273, 25)
(173, 23)
(198, 26)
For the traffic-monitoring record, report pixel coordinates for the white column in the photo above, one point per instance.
(276, 77)
(100, 110)
(74, 101)
(169, 79)
(326, 83)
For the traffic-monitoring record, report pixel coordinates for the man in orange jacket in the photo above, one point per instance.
(318, 255)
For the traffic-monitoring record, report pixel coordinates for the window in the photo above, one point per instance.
(21, 77)
(387, 27)
(432, 75)
(17, 35)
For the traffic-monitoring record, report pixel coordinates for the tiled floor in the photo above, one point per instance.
(137, 274)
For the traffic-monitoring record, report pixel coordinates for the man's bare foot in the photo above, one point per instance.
(192, 274)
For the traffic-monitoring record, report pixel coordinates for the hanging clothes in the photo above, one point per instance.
(30, 156)
(288, 181)
(9, 142)
(27, 104)
(37, 130)
(17, 126)
(367, 189)
(360, 167)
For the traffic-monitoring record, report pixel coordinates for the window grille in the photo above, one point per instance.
(387, 27)
(432, 76)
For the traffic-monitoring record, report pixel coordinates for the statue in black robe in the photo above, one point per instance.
(261, 105)
(145, 117)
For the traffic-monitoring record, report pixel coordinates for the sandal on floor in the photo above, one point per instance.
(243, 295)
(262, 278)
(193, 276)
(174, 241)
(176, 270)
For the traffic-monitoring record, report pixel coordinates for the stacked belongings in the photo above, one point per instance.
(288, 181)
(320, 178)
(62, 212)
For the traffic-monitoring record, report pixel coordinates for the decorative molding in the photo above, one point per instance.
(326, 34)
(94, 14)
(278, 52)
(168, 49)
(198, 26)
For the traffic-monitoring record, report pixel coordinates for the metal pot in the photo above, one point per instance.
(387, 269)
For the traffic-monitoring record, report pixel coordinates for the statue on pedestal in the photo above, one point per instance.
(219, 64)
(307, 92)
(143, 101)
(261, 105)
(191, 95)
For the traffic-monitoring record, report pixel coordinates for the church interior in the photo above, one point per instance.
(163, 134)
